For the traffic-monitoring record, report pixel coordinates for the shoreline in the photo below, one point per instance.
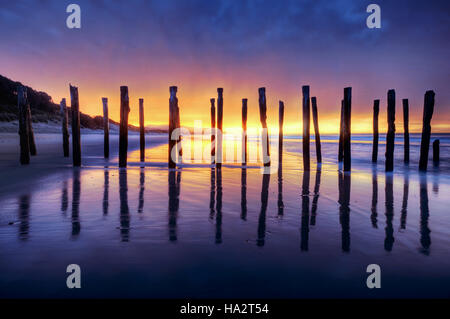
(50, 160)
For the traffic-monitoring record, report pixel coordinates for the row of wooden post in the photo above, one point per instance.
(390, 136)
(28, 146)
(123, 133)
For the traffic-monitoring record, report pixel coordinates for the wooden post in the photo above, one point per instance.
(376, 112)
(33, 151)
(280, 132)
(142, 129)
(65, 129)
(428, 109)
(306, 127)
(219, 127)
(244, 131)
(341, 135)
(173, 105)
(406, 130)
(390, 137)
(436, 152)
(123, 137)
(263, 119)
(213, 131)
(23, 126)
(347, 129)
(105, 128)
(76, 138)
(316, 129)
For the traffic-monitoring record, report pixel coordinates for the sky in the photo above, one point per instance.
(200, 45)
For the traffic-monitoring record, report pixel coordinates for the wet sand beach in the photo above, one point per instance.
(195, 231)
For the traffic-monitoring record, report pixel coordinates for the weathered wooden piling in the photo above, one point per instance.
(173, 106)
(316, 129)
(213, 131)
(33, 151)
(244, 131)
(219, 154)
(376, 112)
(306, 127)
(390, 136)
(141, 129)
(341, 135)
(265, 132)
(65, 129)
(23, 126)
(406, 130)
(428, 109)
(123, 137)
(436, 152)
(105, 128)
(280, 132)
(347, 129)
(76, 136)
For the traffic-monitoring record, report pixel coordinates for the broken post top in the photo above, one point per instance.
(429, 106)
(104, 100)
(62, 105)
(220, 92)
(73, 93)
(213, 101)
(313, 100)
(141, 101)
(305, 89)
(391, 105)
(281, 111)
(262, 95)
(244, 109)
(348, 90)
(124, 93)
(21, 93)
(376, 106)
(173, 92)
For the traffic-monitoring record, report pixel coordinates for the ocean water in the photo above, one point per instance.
(147, 231)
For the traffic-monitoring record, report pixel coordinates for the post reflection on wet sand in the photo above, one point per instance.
(212, 193)
(76, 193)
(304, 230)
(280, 203)
(141, 190)
(124, 209)
(174, 202)
(389, 203)
(24, 216)
(262, 216)
(64, 198)
(316, 196)
(344, 185)
(404, 211)
(244, 193)
(425, 239)
(106, 191)
(219, 207)
(374, 214)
